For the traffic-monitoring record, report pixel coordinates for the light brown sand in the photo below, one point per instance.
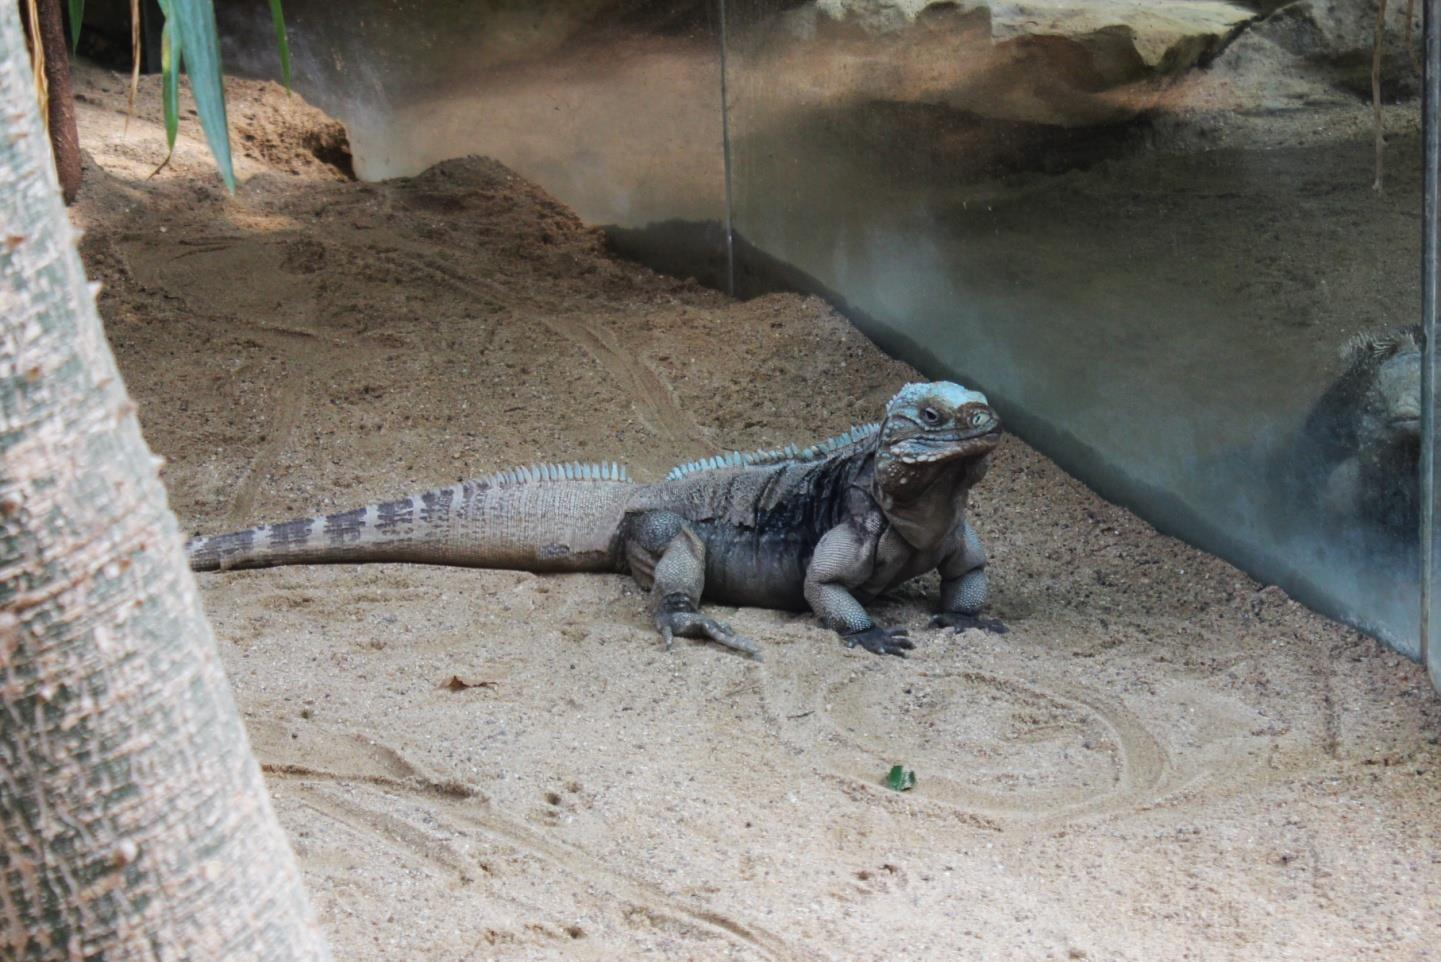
(1162, 760)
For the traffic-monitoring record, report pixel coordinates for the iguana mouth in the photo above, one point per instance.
(946, 447)
(959, 437)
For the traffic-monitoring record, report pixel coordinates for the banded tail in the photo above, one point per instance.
(544, 518)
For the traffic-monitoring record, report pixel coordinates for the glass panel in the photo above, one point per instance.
(1431, 306)
(616, 113)
(1148, 231)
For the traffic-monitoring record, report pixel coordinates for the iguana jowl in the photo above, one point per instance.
(831, 526)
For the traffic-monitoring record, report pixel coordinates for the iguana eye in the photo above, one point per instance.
(979, 418)
(930, 416)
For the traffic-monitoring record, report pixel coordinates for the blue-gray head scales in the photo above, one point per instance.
(939, 421)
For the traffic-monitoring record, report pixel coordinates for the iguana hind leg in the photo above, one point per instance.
(666, 552)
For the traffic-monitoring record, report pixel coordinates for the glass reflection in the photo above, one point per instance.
(1149, 231)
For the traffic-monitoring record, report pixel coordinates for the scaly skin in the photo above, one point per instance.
(1361, 443)
(830, 527)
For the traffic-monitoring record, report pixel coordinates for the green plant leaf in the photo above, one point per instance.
(199, 44)
(900, 779)
(170, 83)
(277, 16)
(77, 17)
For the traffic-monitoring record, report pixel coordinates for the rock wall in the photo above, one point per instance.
(1068, 63)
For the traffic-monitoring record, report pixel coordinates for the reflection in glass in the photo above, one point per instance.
(614, 109)
(1430, 633)
(1150, 231)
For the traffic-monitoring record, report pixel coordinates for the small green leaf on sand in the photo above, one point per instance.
(901, 779)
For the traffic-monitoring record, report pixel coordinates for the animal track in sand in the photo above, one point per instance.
(282, 319)
(292, 331)
(1006, 751)
(444, 811)
(170, 264)
(368, 762)
(289, 408)
(647, 389)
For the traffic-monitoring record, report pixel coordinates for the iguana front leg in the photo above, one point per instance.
(964, 586)
(844, 558)
(666, 552)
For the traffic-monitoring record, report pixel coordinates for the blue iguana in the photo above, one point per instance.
(1359, 450)
(830, 526)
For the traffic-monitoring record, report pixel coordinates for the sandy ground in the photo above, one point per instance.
(1162, 760)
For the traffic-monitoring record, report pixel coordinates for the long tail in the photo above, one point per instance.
(543, 518)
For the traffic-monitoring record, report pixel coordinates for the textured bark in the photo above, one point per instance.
(64, 138)
(134, 822)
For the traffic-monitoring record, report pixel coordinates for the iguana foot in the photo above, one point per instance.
(693, 624)
(880, 641)
(961, 621)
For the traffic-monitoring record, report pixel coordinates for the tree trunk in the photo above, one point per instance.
(64, 138)
(134, 823)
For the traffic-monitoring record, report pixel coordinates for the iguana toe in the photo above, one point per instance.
(693, 624)
(880, 641)
(961, 621)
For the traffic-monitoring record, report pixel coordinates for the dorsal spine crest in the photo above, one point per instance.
(790, 454)
(572, 471)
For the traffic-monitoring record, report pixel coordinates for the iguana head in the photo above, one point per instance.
(1388, 370)
(929, 428)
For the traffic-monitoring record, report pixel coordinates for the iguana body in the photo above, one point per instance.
(830, 527)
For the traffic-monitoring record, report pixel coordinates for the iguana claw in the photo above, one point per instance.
(880, 641)
(693, 624)
(961, 621)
